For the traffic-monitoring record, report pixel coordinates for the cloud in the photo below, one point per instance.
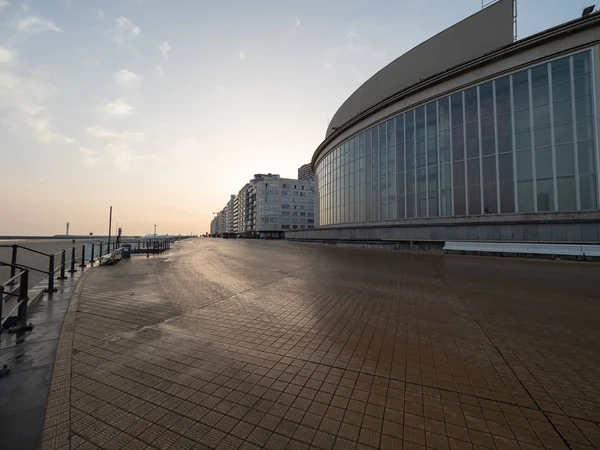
(89, 156)
(101, 132)
(34, 24)
(160, 71)
(355, 44)
(126, 78)
(241, 55)
(296, 24)
(328, 65)
(125, 30)
(22, 106)
(4, 3)
(121, 146)
(44, 133)
(100, 14)
(7, 56)
(117, 108)
(164, 49)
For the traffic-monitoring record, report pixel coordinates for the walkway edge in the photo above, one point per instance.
(57, 422)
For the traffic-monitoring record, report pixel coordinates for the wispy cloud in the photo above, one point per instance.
(23, 105)
(45, 134)
(160, 71)
(328, 65)
(164, 48)
(296, 24)
(117, 108)
(35, 24)
(355, 44)
(125, 30)
(126, 78)
(89, 156)
(4, 3)
(241, 55)
(100, 14)
(122, 147)
(7, 56)
(100, 132)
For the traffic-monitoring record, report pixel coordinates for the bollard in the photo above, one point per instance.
(73, 269)
(92, 256)
(63, 263)
(51, 288)
(82, 265)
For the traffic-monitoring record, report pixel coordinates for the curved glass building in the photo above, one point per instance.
(471, 135)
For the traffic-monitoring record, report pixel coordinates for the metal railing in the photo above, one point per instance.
(21, 294)
(87, 253)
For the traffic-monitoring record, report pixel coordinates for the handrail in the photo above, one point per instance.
(20, 266)
(25, 248)
(7, 282)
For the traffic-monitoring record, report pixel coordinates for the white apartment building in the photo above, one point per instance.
(267, 206)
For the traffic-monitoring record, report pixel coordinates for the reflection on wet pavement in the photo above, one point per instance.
(267, 344)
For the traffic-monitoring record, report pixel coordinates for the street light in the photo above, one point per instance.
(155, 231)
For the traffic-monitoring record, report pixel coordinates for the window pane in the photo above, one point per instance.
(525, 194)
(524, 165)
(565, 161)
(474, 200)
(505, 166)
(507, 197)
(543, 163)
(545, 195)
(489, 169)
(587, 191)
(585, 154)
(566, 194)
(473, 172)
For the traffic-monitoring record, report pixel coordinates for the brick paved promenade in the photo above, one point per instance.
(245, 344)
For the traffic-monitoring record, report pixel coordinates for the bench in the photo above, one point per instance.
(585, 250)
(111, 258)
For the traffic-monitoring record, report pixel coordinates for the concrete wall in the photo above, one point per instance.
(541, 227)
(481, 33)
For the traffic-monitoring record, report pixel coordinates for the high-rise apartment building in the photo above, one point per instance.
(305, 172)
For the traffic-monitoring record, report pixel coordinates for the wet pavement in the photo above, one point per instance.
(268, 344)
(30, 358)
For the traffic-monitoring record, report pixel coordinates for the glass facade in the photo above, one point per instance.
(521, 143)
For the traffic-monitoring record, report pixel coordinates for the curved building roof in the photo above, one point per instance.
(481, 33)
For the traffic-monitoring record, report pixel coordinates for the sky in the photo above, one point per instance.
(163, 108)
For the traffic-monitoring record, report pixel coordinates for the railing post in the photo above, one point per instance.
(23, 300)
(92, 256)
(13, 261)
(63, 263)
(100, 251)
(51, 288)
(1, 304)
(82, 265)
(73, 269)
